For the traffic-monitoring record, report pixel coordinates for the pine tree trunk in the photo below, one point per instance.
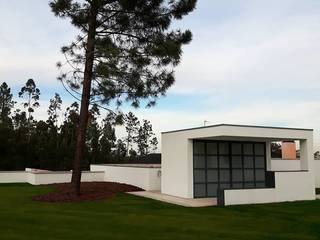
(85, 100)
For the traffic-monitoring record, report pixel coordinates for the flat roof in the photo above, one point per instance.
(238, 125)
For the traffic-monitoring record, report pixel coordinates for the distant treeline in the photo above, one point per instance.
(50, 144)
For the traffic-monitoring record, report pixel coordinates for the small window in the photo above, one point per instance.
(212, 148)
(260, 175)
(198, 147)
(259, 149)
(249, 185)
(236, 175)
(224, 186)
(212, 189)
(248, 175)
(199, 162)
(223, 148)
(259, 162)
(236, 148)
(224, 161)
(248, 148)
(212, 175)
(199, 190)
(248, 162)
(236, 162)
(199, 176)
(237, 185)
(260, 184)
(224, 175)
(212, 161)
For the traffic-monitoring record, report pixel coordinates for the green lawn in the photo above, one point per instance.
(131, 217)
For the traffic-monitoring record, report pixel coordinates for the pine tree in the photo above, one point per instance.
(32, 95)
(126, 51)
(6, 103)
(145, 138)
(53, 110)
(131, 124)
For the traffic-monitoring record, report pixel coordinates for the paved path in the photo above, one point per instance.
(186, 202)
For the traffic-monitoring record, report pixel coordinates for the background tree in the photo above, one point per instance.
(32, 94)
(126, 51)
(131, 124)
(145, 138)
(93, 134)
(6, 102)
(54, 108)
(108, 138)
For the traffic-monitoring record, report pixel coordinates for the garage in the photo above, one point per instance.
(227, 165)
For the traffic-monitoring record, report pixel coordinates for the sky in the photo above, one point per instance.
(250, 62)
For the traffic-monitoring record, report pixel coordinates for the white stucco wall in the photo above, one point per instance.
(285, 165)
(47, 177)
(12, 176)
(290, 186)
(317, 172)
(147, 178)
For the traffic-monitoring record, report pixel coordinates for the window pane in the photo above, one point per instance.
(199, 176)
(248, 148)
(236, 162)
(224, 186)
(199, 190)
(212, 175)
(248, 175)
(236, 148)
(212, 148)
(237, 175)
(260, 184)
(248, 162)
(259, 162)
(198, 147)
(224, 176)
(237, 185)
(199, 162)
(249, 185)
(212, 189)
(259, 148)
(224, 161)
(223, 148)
(212, 161)
(260, 175)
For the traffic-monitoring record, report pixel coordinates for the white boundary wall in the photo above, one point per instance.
(38, 178)
(317, 172)
(13, 176)
(289, 186)
(147, 178)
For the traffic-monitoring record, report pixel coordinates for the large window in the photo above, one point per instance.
(227, 165)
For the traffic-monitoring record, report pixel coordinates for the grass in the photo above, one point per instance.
(132, 217)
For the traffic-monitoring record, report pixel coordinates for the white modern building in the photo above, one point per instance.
(233, 164)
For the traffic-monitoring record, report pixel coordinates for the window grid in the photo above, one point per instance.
(232, 184)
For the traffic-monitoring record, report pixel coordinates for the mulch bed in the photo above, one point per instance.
(89, 191)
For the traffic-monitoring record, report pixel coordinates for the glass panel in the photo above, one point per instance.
(248, 148)
(259, 149)
(259, 162)
(199, 176)
(224, 186)
(199, 162)
(212, 175)
(248, 162)
(212, 189)
(236, 162)
(223, 148)
(236, 148)
(224, 176)
(199, 190)
(237, 185)
(260, 184)
(237, 175)
(212, 161)
(260, 175)
(212, 148)
(198, 147)
(249, 185)
(224, 161)
(248, 175)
